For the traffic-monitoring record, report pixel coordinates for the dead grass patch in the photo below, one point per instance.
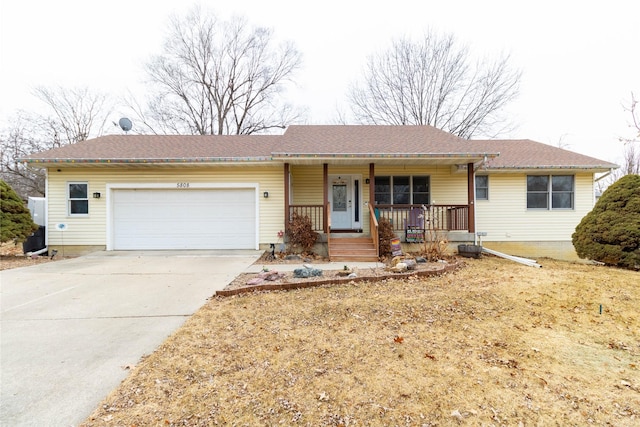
(12, 256)
(494, 343)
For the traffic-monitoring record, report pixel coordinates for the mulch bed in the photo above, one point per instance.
(288, 282)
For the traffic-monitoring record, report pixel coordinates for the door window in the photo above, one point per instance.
(339, 197)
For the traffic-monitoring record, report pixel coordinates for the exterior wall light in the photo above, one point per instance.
(96, 195)
(265, 194)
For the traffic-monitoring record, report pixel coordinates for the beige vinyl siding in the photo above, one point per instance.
(306, 182)
(91, 230)
(306, 185)
(505, 216)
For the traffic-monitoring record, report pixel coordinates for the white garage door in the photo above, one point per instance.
(184, 219)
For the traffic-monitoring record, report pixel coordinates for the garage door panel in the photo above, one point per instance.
(184, 219)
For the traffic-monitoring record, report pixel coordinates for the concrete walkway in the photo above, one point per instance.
(70, 328)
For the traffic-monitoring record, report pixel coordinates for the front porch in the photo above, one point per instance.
(348, 221)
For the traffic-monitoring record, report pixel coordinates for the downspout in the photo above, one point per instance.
(287, 197)
(38, 252)
(480, 163)
(471, 196)
(476, 165)
(595, 199)
(46, 207)
(604, 176)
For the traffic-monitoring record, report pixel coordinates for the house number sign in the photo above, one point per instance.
(182, 185)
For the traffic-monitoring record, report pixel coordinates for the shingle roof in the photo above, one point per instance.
(319, 141)
(527, 154)
(163, 149)
(371, 140)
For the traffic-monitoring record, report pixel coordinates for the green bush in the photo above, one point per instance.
(15, 219)
(610, 233)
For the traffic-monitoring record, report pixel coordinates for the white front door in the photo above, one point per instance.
(345, 196)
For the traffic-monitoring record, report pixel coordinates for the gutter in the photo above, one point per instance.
(466, 155)
(551, 167)
(148, 160)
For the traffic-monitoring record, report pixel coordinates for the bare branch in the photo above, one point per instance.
(217, 77)
(77, 113)
(432, 83)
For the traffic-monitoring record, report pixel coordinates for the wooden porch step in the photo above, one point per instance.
(352, 249)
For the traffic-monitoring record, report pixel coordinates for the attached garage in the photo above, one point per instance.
(183, 218)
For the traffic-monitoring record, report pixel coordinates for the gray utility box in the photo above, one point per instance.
(38, 208)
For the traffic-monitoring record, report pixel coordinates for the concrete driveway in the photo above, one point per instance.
(69, 328)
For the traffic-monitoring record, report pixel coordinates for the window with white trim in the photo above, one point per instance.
(550, 191)
(482, 187)
(78, 198)
(402, 190)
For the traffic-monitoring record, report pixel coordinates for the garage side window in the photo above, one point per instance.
(78, 198)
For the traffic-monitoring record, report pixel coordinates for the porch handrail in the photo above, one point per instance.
(373, 229)
(436, 217)
(328, 231)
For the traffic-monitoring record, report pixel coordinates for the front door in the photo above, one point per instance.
(345, 196)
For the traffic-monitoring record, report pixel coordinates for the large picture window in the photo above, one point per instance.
(402, 190)
(550, 192)
(78, 198)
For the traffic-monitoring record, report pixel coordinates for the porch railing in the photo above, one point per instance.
(433, 217)
(430, 217)
(314, 212)
(328, 228)
(373, 227)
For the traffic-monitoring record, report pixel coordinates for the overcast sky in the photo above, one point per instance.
(580, 59)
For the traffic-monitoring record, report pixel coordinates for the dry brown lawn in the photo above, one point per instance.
(12, 256)
(494, 343)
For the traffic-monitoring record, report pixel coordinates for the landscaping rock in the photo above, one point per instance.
(421, 260)
(408, 260)
(306, 272)
(411, 264)
(400, 267)
(396, 259)
(255, 281)
(270, 276)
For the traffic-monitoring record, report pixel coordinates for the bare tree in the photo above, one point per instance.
(631, 163)
(74, 115)
(19, 141)
(432, 82)
(219, 77)
(631, 154)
